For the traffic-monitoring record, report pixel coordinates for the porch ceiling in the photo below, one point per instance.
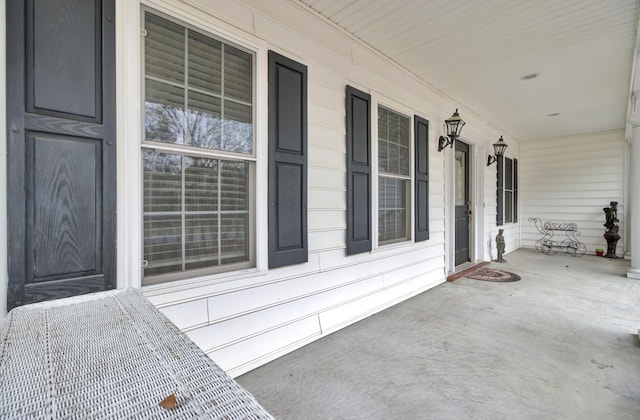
(477, 52)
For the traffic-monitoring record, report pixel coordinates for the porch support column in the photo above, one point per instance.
(634, 201)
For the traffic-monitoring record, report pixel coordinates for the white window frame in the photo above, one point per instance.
(219, 155)
(130, 129)
(377, 101)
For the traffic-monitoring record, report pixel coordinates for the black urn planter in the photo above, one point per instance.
(612, 238)
(611, 235)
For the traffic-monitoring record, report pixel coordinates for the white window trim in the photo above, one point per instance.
(129, 97)
(378, 100)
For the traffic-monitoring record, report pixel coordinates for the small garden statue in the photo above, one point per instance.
(611, 216)
(500, 246)
(611, 235)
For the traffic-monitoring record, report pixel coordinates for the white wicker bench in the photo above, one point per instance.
(109, 355)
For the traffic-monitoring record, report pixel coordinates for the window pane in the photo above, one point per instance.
(394, 158)
(393, 223)
(162, 244)
(163, 49)
(220, 90)
(394, 128)
(508, 206)
(201, 241)
(393, 143)
(204, 123)
(403, 131)
(201, 184)
(383, 124)
(233, 188)
(238, 128)
(237, 74)
(234, 240)
(164, 112)
(403, 160)
(205, 64)
(162, 182)
(403, 145)
(461, 179)
(383, 156)
(209, 227)
(508, 174)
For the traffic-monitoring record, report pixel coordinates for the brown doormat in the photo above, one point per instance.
(456, 276)
(492, 274)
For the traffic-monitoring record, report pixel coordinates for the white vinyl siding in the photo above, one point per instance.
(247, 317)
(572, 179)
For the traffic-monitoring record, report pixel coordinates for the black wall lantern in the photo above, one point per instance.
(498, 149)
(454, 126)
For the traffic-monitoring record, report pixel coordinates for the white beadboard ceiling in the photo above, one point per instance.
(477, 51)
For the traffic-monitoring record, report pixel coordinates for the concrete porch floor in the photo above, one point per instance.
(562, 343)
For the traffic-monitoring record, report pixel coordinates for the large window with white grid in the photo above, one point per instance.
(198, 153)
(394, 177)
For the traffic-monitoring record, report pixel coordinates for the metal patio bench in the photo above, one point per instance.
(550, 244)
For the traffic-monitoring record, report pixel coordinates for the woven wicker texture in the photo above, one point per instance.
(110, 355)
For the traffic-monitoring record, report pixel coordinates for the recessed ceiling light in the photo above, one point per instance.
(555, 114)
(530, 76)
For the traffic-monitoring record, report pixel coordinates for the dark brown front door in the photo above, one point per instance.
(462, 203)
(61, 148)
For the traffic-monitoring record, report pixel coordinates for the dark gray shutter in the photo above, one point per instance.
(515, 190)
(61, 148)
(287, 161)
(500, 192)
(358, 107)
(421, 133)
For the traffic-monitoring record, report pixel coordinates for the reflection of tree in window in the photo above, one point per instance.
(212, 107)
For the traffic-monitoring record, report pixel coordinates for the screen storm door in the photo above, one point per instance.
(61, 148)
(462, 203)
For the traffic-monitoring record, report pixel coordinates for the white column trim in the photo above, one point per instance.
(450, 214)
(633, 209)
(129, 129)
